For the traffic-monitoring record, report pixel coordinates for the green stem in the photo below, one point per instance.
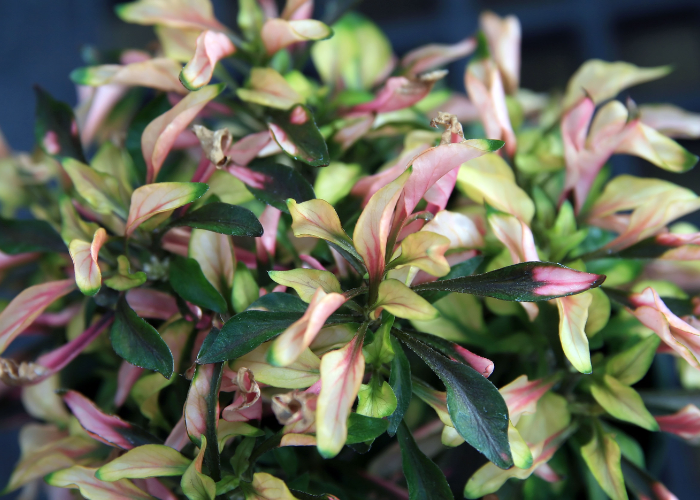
(211, 454)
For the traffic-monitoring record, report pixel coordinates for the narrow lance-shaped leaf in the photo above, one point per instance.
(150, 460)
(526, 282)
(222, 218)
(685, 423)
(100, 190)
(297, 134)
(194, 484)
(341, 374)
(160, 135)
(83, 478)
(22, 236)
(108, 429)
(56, 130)
(138, 342)
(456, 352)
(274, 184)
(87, 271)
(573, 313)
(602, 455)
(153, 199)
(400, 382)
(425, 479)
(622, 402)
(303, 373)
(30, 303)
(157, 73)
(188, 280)
(403, 302)
(476, 408)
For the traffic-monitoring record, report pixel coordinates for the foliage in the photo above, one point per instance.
(241, 272)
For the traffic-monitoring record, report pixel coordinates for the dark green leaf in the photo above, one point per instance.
(280, 302)
(453, 351)
(300, 495)
(477, 409)
(466, 268)
(56, 130)
(400, 382)
(297, 134)
(425, 479)
(222, 218)
(139, 343)
(188, 280)
(278, 184)
(351, 256)
(20, 236)
(362, 428)
(526, 282)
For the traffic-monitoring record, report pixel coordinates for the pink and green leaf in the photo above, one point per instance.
(211, 46)
(87, 271)
(306, 281)
(83, 479)
(159, 73)
(403, 302)
(153, 199)
(150, 460)
(279, 33)
(182, 14)
(573, 313)
(296, 133)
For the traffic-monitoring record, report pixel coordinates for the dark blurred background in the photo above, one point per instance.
(41, 42)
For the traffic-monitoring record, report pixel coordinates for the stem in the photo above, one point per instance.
(211, 454)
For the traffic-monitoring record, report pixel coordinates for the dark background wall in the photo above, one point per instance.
(41, 42)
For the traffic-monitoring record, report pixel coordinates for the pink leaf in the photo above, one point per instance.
(684, 423)
(242, 152)
(341, 377)
(184, 14)
(278, 33)
(521, 395)
(562, 280)
(295, 339)
(435, 56)
(265, 245)
(29, 304)
(160, 135)
(503, 36)
(152, 304)
(211, 47)
(159, 73)
(153, 199)
(483, 365)
(398, 93)
(126, 378)
(196, 405)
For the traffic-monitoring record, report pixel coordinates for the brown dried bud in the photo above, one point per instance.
(453, 129)
(296, 410)
(13, 373)
(214, 144)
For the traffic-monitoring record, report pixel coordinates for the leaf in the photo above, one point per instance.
(476, 408)
(189, 282)
(602, 455)
(456, 352)
(150, 460)
(21, 236)
(400, 382)
(56, 131)
(296, 133)
(108, 429)
(318, 219)
(215, 254)
(267, 487)
(202, 405)
(87, 271)
(83, 478)
(275, 184)
(139, 343)
(573, 312)
(341, 372)
(306, 281)
(27, 306)
(159, 136)
(623, 402)
(403, 302)
(426, 251)
(460, 270)
(159, 73)
(381, 350)
(153, 199)
(525, 282)
(211, 46)
(629, 366)
(194, 484)
(299, 335)
(362, 428)
(279, 33)
(376, 399)
(304, 372)
(222, 218)
(425, 479)
(124, 279)
(100, 190)
(245, 288)
(269, 88)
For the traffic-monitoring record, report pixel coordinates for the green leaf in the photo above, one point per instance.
(249, 329)
(280, 183)
(280, 302)
(526, 282)
(222, 218)
(376, 399)
(380, 351)
(150, 460)
(138, 342)
(400, 382)
(245, 288)
(476, 408)
(631, 365)
(425, 479)
(124, 279)
(602, 455)
(56, 130)
(194, 484)
(99, 190)
(188, 280)
(297, 134)
(623, 402)
(362, 428)
(460, 270)
(20, 236)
